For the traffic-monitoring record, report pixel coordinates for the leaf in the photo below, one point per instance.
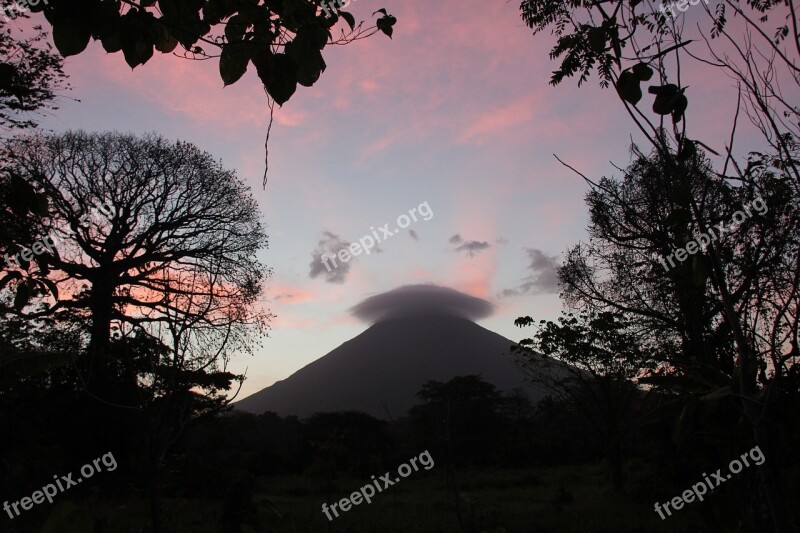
(137, 53)
(385, 24)
(235, 28)
(351, 20)
(679, 104)
(282, 82)
(262, 57)
(628, 87)
(663, 103)
(71, 36)
(112, 42)
(642, 71)
(164, 41)
(381, 10)
(306, 55)
(233, 62)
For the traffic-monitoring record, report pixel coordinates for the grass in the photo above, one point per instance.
(563, 499)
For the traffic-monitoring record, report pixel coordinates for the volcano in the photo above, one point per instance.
(419, 335)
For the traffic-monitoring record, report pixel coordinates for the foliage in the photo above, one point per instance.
(600, 345)
(754, 292)
(592, 362)
(461, 415)
(282, 39)
(628, 43)
(31, 75)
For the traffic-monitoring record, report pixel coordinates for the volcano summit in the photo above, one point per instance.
(418, 333)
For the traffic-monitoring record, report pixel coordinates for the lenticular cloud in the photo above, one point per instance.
(421, 300)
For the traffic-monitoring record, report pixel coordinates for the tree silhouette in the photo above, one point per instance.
(591, 362)
(630, 43)
(178, 246)
(165, 273)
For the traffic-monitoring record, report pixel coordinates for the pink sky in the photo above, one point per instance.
(455, 110)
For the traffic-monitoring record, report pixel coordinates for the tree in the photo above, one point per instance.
(31, 76)
(462, 417)
(591, 37)
(592, 362)
(463, 413)
(180, 239)
(629, 265)
(166, 276)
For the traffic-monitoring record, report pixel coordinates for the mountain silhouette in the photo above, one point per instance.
(380, 371)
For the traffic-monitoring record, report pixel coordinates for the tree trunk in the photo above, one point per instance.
(99, 382)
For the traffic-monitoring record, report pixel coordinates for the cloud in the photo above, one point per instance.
(501, 241)
(542, 279)
(499, 120)
(285, 293)
(473, 247)
(421, 300)
(413, 234)
(333, 271)
(455, 239)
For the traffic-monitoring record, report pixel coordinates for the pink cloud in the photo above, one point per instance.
(498, 120)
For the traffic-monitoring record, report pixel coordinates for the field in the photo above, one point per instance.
(563, 499)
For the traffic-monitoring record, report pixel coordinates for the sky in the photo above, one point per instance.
(453, 117)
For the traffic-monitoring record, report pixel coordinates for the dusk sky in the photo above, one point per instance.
(455, 111)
